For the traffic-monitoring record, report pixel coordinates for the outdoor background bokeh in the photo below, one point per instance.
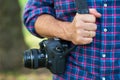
(14, 39)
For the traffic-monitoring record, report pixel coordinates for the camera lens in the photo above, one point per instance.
(34, 59)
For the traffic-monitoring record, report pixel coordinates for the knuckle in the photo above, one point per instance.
(94, 34)
(78, 17)
(91, 39)
(78, 24)
(78, 32)
(76, 41)
(86, 41)
(94, 26)
(93, 19)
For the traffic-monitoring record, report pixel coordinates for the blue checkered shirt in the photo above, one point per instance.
(99, 60)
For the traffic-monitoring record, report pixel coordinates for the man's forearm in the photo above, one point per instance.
(47, 26)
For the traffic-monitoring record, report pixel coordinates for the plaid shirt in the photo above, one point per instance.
(99, 60)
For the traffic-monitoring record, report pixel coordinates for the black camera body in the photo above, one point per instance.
(52, 55)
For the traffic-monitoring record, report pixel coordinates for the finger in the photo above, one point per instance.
(87, 40)
(89, 26)
(86, 18)
(89, 17)
(95, 12)
(89, 34)
(82, 41)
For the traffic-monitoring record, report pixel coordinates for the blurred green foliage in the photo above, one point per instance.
(22, 3)
(32, 42)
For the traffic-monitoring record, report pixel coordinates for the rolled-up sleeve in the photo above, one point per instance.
(33, 9)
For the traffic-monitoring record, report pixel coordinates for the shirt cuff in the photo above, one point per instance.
(30, 17)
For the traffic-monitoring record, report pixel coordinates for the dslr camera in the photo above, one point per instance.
(52, 55)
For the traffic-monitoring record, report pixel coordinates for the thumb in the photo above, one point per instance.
(95, 12)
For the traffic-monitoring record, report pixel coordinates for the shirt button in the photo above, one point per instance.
(103, 55)
(105, 30)
(105, 4)
(103, 78)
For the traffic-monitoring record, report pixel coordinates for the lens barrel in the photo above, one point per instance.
(34, 59)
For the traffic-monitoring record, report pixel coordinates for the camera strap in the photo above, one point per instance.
(82, 6)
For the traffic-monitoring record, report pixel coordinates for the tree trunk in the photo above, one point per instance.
(12, 42)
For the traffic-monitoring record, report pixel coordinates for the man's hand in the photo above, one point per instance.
(80, 31)
(83, 28)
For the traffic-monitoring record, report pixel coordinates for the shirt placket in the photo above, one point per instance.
(104, 41)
